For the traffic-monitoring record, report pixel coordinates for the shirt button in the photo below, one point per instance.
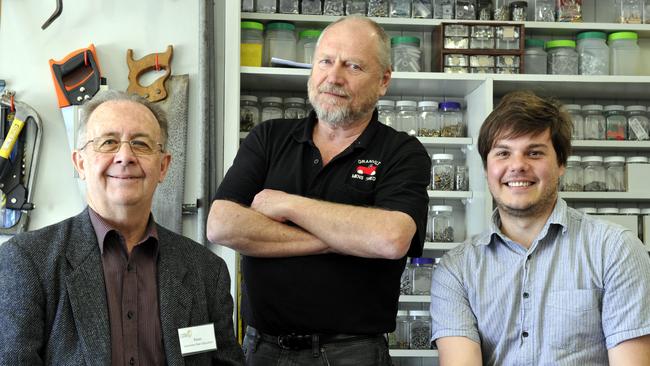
(129, 267)
(132, 361)
(129, 314)
(524, 334)
(316, 161)
(526, 295)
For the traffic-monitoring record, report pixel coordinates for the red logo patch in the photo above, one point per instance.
(367, 170)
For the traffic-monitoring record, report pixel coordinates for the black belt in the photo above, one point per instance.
(308, 341)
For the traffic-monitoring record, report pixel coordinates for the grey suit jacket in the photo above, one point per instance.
(53, 307)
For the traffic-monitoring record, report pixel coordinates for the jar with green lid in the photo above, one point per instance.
(252, 43)
(266, 6)
(595, 122)
(578, 130)
(624, 53)
(637, 122)
(311, 7)
(288, 6)
(535, 58)
(593, 53)
(307, 45)
(405, 53)
(279, 42)
(562, 57)
(616, 122)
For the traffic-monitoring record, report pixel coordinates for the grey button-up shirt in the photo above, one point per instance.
(581, 288)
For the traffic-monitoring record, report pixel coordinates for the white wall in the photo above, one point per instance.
(113, 26)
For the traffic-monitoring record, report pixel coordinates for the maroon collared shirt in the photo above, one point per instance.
(132, 293)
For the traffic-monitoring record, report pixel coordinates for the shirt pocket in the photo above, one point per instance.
(573, 318)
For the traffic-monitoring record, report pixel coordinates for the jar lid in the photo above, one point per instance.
(588, 210)
(402, 312)
(442, 157)
(532, 42)
(421, 260)
(519, 4)
(449, 106)
(309, 33)
(404, 39)
(406, 103)
(614, 107)
(248, 98)
(271, 100)
(561, 43)
(280, 26)
(637, 159)
(587, 35)
(614, 159)
(592, 159)
(645, 211)
(622, 35)
(386, 102)
(428, 103)
(574, 158)
(635, 108)
(252, 25)
(445, 208)
(592, 107)
(608, 210)
(630, 211)
(572, 107)
(294, 100)
(419, 313)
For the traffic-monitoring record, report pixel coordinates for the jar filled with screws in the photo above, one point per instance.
(294, 108)
(595, 177)
(311, 7)
(484, 10)
(451, 120)
(616, 122)
(421, 270)
(595, 123)
(378, 8)
(615, 173)
(629, 11)
(428, 119)
(442, 172)
(465, 10)
(593, 53)
(422, 9)
(518, 10)
(638, 122)
(562, 57)
(544, 10)
(443, 9)
(334, 7)
(501, 10)
(420, 329)
(400, 8)
(535, 58)
(386, 112)
(462, 178)
(569, 11)
(572, 180)
(405, 281)
(442, 223)
(407, 119)
(266, 6)
(356, 7)
(401, 330)
(575, 112)
(249, 113)
(288, 6)
(405, 52)
(271, 108)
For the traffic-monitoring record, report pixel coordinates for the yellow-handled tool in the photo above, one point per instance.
(11, 138)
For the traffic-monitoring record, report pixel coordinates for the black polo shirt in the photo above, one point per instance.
(329, 293)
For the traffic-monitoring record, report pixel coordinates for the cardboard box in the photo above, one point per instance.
(637, 177)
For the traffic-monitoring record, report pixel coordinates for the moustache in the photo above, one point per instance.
(334, 90)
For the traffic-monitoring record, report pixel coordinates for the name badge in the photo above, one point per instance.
(197, 339)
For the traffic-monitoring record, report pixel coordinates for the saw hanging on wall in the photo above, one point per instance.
(77, 77)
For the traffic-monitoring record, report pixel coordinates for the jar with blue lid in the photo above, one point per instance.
(451, 120)
(421, 271)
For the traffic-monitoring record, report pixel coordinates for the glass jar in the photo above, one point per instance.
(405, 53)
(569, 11)
(451, 119)
(607, 211)
(378, 8)
(271, 108)
(485, 9)
(400, 8)
(442, 223)
(616, 122)
(334, 7)
(595, 177)
(422, 9)
(251, 45)
(595, 122)
(624, 53)
(637, 122)
(307, 45)
(629, 11)
(578, 130)
(518, 10)
(428, 119)
(356, 7)
(266, 6)
(294, 108)
(535, 59)
(249, 112)
(593, 53)
(406, 281)
(465, 9)
(501, 10)
(615, 173)
(544, 10)
(442, 172)
(279, 42)
(401, 330)
(588, 210)
(407, 119)
(311, 7)
(247, 6)
(572, 180)
(386, 112)
(562, 57)
(419, 329)
(421, 270)
(462, 178)
(288, 6)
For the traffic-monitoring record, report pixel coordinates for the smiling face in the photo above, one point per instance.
(121, 180)
(523, 175)
(347, 79)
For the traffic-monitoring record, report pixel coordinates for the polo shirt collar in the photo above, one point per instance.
(304, 130)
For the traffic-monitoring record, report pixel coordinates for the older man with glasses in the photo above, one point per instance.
(110, 286)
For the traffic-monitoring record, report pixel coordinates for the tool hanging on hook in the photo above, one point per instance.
(57, 12)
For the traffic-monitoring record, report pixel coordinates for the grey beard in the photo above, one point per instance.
(339, 117)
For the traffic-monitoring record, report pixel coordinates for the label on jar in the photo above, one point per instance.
(250, 54)
(637, 128)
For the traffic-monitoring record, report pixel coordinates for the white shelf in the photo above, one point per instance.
(446, 141)
(605, 196)
(414, 298)
(610, 145)
(413, 353)
(440, 245)
(450, 195)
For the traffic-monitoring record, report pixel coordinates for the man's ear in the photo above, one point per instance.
(164, 166)
(79, 163)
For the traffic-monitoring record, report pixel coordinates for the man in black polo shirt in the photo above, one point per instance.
(325, 210)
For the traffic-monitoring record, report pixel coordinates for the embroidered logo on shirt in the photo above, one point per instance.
(366, 170)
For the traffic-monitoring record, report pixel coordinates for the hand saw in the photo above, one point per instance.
(77, 77)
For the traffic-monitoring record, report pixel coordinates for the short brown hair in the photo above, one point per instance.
(523, 113)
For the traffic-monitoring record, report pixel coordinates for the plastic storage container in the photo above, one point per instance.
(544, 11)
(443, 9)
(249, 112)
(578, 130)
(484, 10)
(311, 7)
(624, 53)
(405, 280)
(307, 45)
(615, 173)
(572, 180)
(422, 9)
(279, 42)
(400, 8)
(252, 44)
(333, 7)
(462, 178)
(616, 122)
(405, 53)
(378, 8)
(629, 11)
(562, 57)
(451, 119)
(507, 37)
(637, 122)
(428, 119)
(266, 6)
(593, 53)
(442, 172)
(271, 108)
(518, 11)
(442, 223)
(386, 112)
(465, 10)
(248, 5)
(421, 270)
(419, 329)
(595, 122)
(407, 119)
(501, 10)
(356, 7)
(569, 11)
(595, 177)
(288, 6)
(294, 108)
(401, 329)
(535, 58)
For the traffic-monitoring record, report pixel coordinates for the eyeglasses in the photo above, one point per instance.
(139, 146)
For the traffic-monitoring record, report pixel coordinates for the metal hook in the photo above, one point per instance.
(57, 12)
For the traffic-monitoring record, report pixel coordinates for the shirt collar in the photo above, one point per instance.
(304, 131)
(102, 228)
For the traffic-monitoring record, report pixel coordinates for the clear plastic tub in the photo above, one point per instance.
(378, 8)
(544, 11)
(307, 45)
(271, 108)
(575, 111)
(629, 11)
(637, 122)
(572, 180)
(442, 223)
(593, 52)
(624, 53)
(407, 119)
(406, 54)
(386, 112)
(333, 7)
(442, 172)
(615, 173)
(279, 42)
(420, 329)
(311, 7)
(616, 122)
(294, 108)
(451, 120)
(535, 59)
(562, 57)
(252, 44)
(356, 7)
(594, 174)
(421, 270)
(595, 122)
(422, 9)
(288, 6)
(266, 6)
(428, 119)
(400, 8)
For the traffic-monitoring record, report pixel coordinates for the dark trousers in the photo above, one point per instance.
(371, 351)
